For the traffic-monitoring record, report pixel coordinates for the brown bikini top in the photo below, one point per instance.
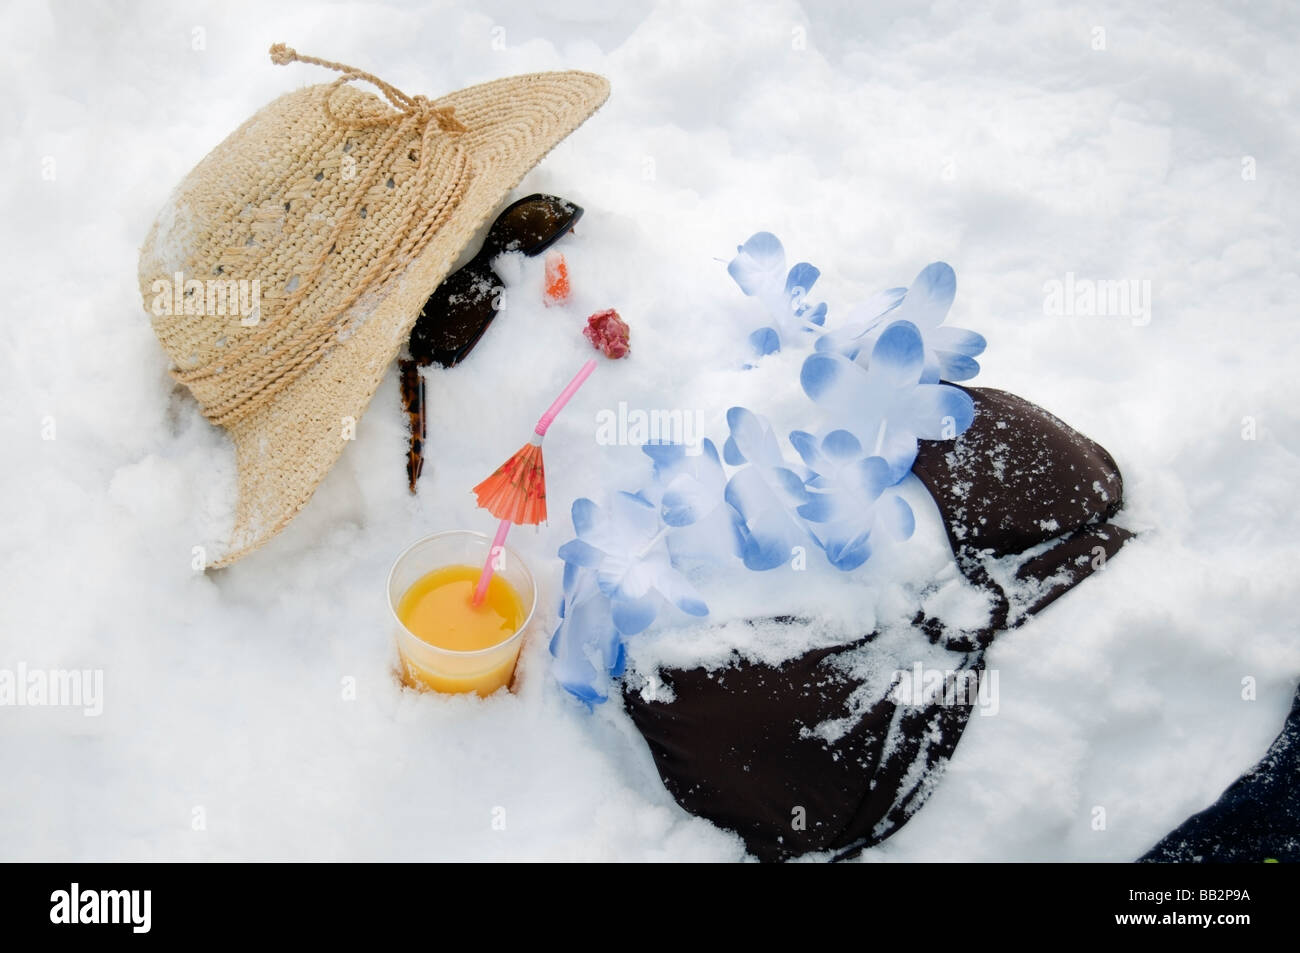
(732, 746)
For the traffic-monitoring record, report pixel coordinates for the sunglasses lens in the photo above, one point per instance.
(456, 315)
(459, 311)
(532, 224)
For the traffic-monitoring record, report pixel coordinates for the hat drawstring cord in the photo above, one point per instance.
(283, 55)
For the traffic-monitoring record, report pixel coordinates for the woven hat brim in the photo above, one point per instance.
(284, 451)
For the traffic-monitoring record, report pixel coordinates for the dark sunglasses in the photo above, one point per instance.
(461, 308)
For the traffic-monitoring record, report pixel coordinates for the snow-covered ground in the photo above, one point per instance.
(1020, 143)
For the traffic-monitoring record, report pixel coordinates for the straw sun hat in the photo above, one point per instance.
(285, 272)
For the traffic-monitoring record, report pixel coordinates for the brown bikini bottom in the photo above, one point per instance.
(733, 745)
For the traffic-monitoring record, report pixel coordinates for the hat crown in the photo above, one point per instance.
(289, 372)
(251, 273)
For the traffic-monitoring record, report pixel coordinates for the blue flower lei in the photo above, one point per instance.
(877, 380)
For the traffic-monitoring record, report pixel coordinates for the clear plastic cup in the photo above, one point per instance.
(446, 670)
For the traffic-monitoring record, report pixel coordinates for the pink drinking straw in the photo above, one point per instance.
(516, 491)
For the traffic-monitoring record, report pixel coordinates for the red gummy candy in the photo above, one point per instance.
(557, 279)
(608, 332)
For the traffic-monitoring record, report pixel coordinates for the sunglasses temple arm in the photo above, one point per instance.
(412, 393)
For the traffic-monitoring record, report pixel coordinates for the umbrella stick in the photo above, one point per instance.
(539, 432)
(486, 575)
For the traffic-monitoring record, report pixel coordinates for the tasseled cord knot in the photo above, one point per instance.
(282, 55)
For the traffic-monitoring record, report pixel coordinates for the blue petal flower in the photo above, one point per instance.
(929, 297)
(759, 270)
(846, 508)
(957, 340)
(617, 573)
(765, 341)
(713, 539)
(584, 515)
(624, 547)
(841, 445)
(769, 532)
(847, 554)
(949, 352)
(586, 632)
(955, 367)
(633, 615)
(870, 316)
(675, 587)
(766, 493)
(801, 279)
(667, 458)
(703, 526)
(758, 264)
(807, 446)
(885, 405)
(695, 490)
(819, 509)
(955, 350)
(751, 440)
(576, 552)
(896, 518)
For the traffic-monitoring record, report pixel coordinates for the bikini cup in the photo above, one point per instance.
(732, 745)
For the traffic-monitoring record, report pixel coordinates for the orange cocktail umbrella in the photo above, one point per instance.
(516, 490)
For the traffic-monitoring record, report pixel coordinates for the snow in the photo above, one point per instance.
(253, 713)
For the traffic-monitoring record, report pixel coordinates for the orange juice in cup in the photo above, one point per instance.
(446, 643)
